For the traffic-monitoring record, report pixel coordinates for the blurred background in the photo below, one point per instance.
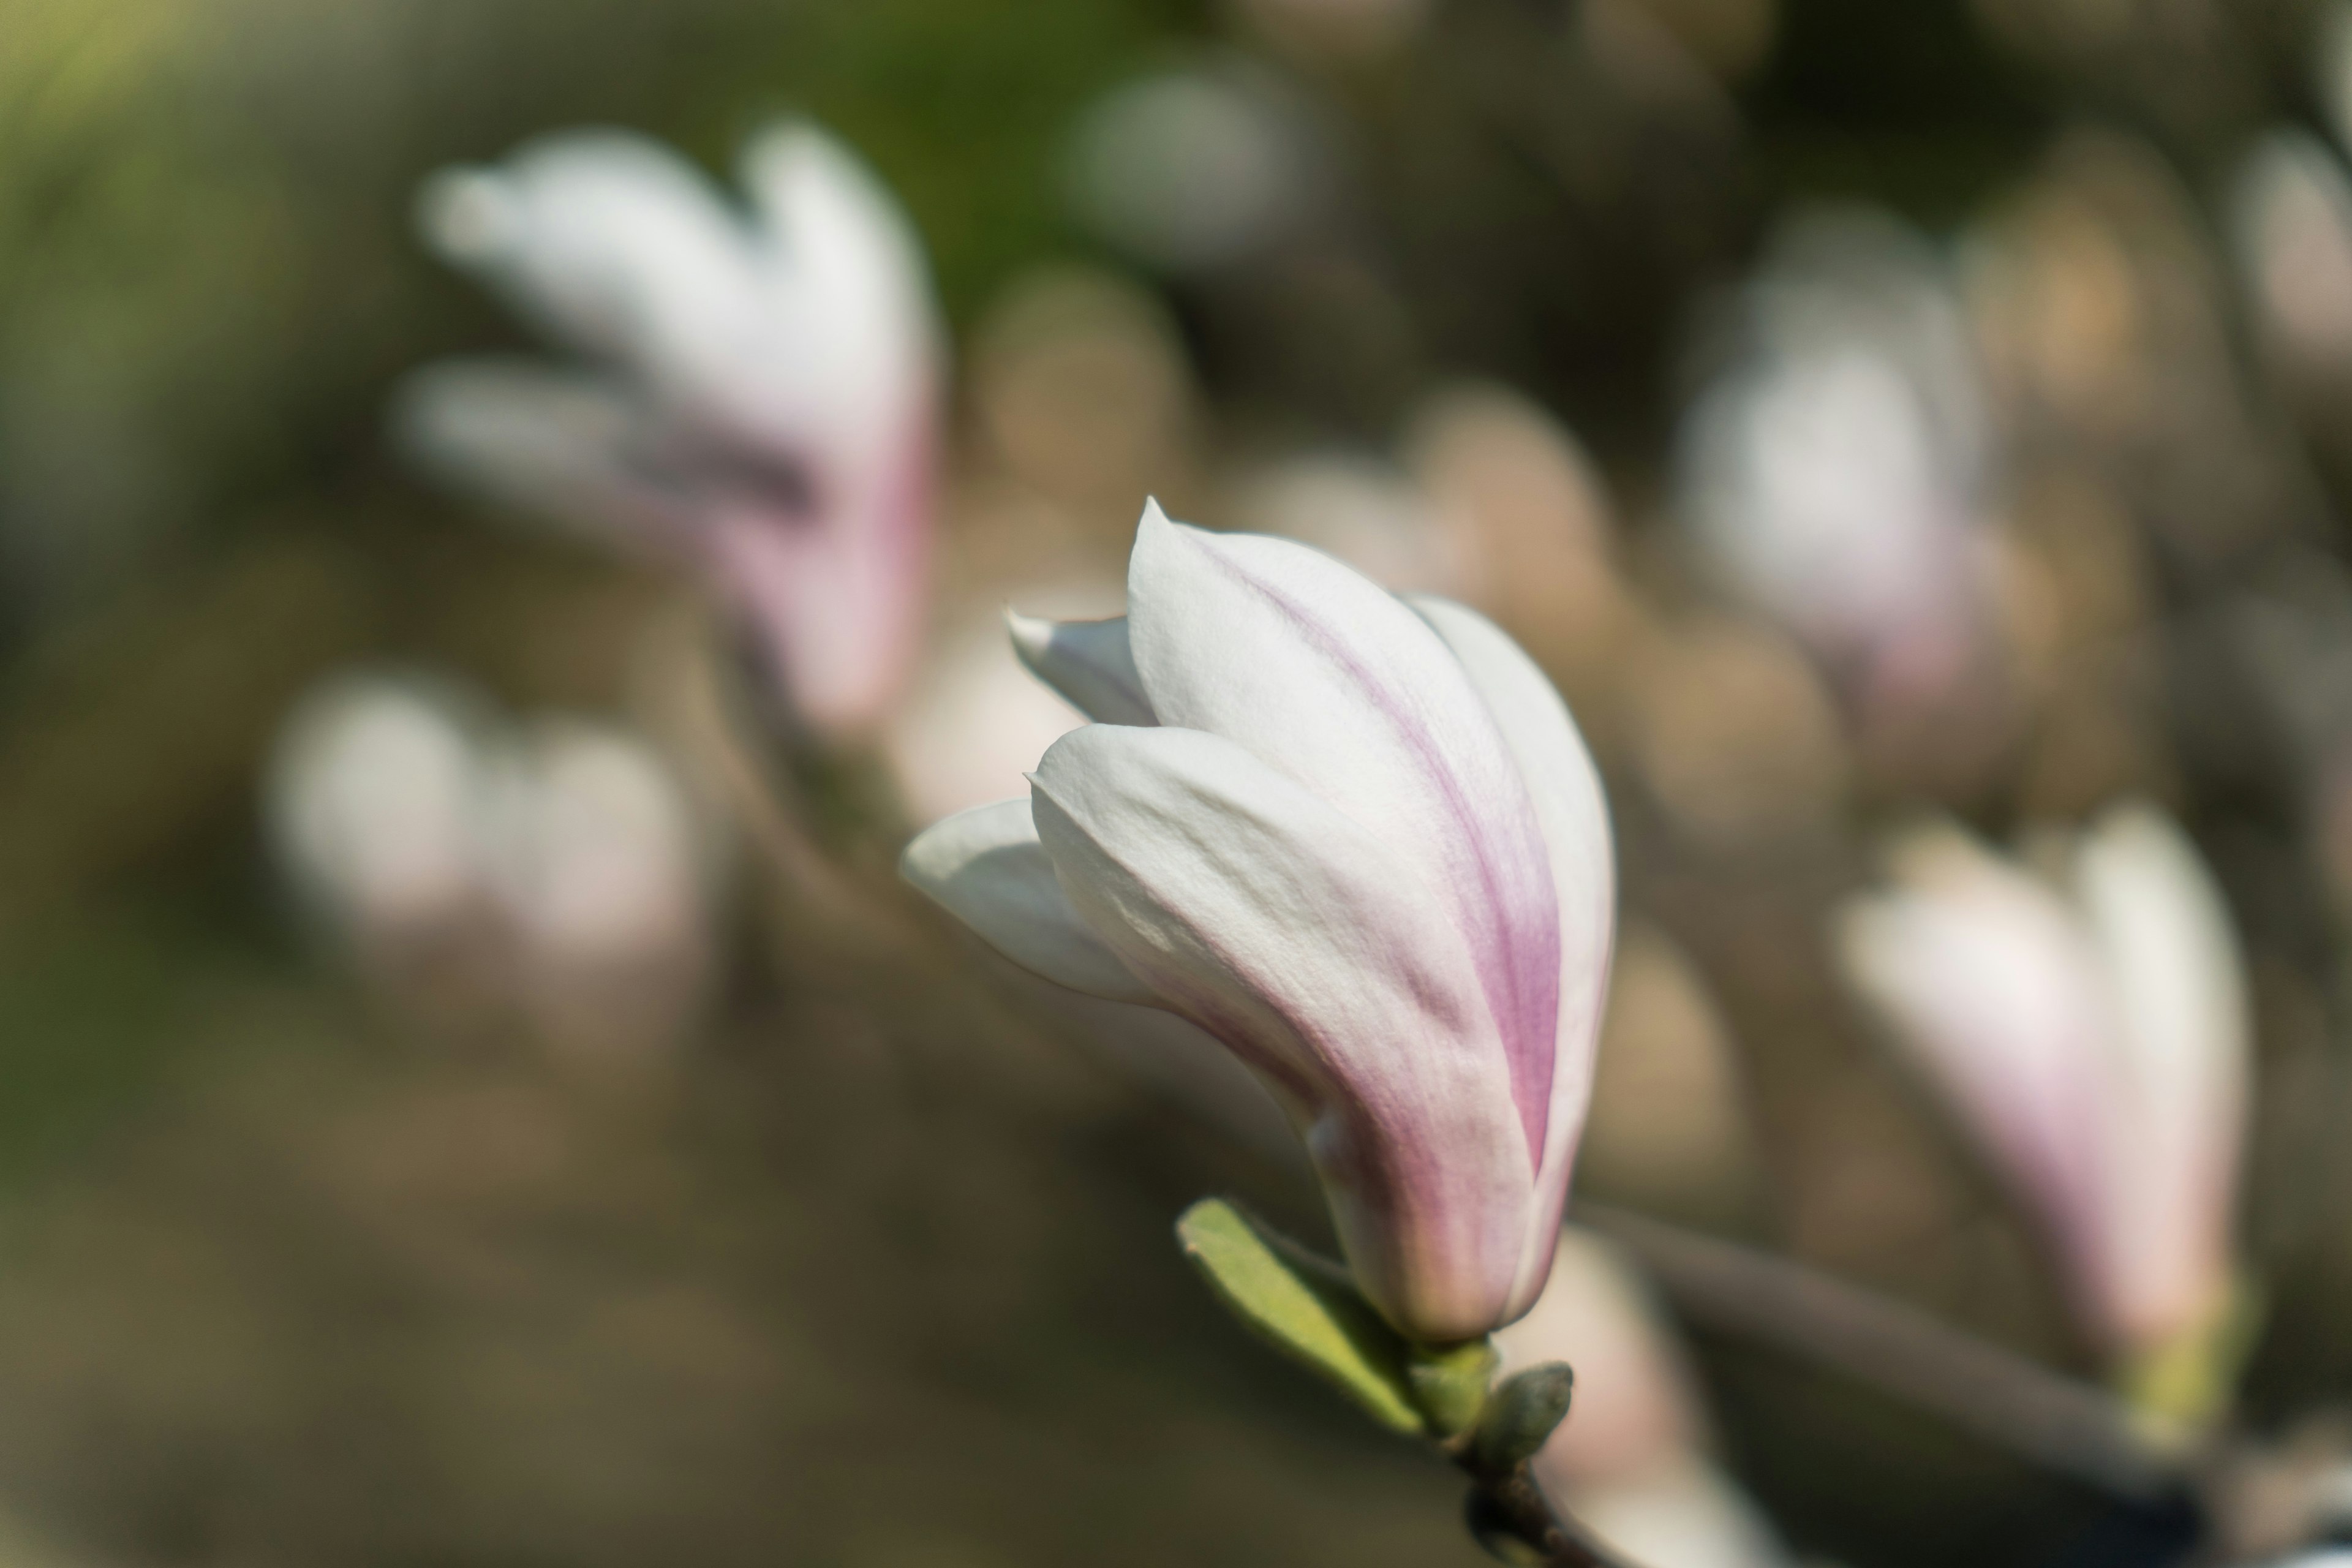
(1870, 415)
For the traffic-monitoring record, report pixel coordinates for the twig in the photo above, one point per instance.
(2048, 1419)
(1510, 1516)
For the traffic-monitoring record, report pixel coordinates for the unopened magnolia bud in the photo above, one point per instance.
(1521, 1413)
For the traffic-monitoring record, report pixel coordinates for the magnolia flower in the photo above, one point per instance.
(1835, 469)
(1357, 842)
(759, 394)
(2094, 1040)
(1631, 1463)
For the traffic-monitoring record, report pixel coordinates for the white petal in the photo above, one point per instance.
(1566, 790)
(1294, 935)
(986, 868)
(1342, 688)
(845, 281)
(1989, 983)
(613, 241)
(373, 800)
(2180, 991)
(1088, 662)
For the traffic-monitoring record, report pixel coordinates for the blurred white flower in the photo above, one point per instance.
(759, 394)
(1836, 468)
(2292, 221)
(371, 804)
(1631, 1461)
(561, 870)
(2096, 1043)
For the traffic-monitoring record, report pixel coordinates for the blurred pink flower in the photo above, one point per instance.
(1361, 844)
(1835, 469)
(2094, 1040)
(759, 397)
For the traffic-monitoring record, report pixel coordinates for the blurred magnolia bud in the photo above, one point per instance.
(1361, 510)
(2291, 220)
(759, 395)
(1629, 1462)
(2094, 1041)
(1836, 468)
(602, 868)
(373, 809)
(1083, 392)
(1195, 168)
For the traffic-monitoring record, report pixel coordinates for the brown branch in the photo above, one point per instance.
(2051, 1420)
(1513, 1520)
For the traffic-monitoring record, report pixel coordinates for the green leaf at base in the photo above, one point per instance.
(1307, 1306)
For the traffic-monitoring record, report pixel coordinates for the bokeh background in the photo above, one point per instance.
(868, 1262)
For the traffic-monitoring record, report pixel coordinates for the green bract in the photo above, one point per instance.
(1305, 1306)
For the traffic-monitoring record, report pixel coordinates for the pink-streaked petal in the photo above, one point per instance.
(837, 598)
(1340, 688)
(986, 868)
(2180, 1067)
(1088, 662)
(1992, 989)
(1298, 937)
(1566, 789)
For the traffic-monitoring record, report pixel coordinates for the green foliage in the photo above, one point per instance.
(964, 108)
(1305, 1306)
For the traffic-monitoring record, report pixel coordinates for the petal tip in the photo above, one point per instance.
(1031, 634)
(467, 213)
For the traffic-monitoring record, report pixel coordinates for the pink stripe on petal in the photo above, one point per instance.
(1295, 936)
(1565, 788)
(1336, 685)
